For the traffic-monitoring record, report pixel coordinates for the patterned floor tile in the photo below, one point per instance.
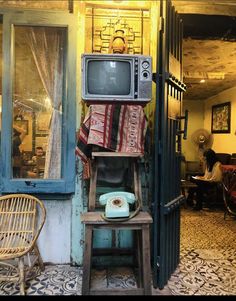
(207, 264)
(55, 280)
(121, 278)
(99, 278)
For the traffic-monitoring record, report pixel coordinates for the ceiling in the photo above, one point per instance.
(209, 47)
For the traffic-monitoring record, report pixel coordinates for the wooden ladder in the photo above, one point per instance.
(139, 223)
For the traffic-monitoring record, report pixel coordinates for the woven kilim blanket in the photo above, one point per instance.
(118, 128)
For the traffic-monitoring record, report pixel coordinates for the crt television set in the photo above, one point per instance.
(122, 78)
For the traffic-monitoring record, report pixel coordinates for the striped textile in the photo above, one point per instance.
(116, 127)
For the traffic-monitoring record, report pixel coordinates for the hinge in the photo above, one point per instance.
(161, 24)
(154, 77)
(159, 147)
(158, 262)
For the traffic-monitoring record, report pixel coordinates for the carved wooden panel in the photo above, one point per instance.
(101, 24)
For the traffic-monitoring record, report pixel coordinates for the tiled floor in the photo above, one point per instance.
(207, 264)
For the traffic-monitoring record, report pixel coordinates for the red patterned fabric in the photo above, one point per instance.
(119, 128)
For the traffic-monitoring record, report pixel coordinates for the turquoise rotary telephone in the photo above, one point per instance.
(117, 203)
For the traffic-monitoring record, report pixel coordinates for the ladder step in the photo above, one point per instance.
(116, 154)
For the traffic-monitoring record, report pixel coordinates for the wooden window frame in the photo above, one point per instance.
(66, 184)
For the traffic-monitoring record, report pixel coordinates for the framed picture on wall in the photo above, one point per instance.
(220, 118)
(42, 124)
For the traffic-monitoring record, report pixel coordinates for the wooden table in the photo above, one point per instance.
(186, 184)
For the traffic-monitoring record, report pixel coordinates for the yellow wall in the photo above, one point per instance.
(195, 121)
(223, 143)
(149, 44)
(200, 117)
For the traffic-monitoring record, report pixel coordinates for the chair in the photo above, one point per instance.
(193, 168)
(224, 158)
(229, 190)
(40, 166)
(22, 217)
(139, 224)
(213, 197)
(233, 161)
(17, 164)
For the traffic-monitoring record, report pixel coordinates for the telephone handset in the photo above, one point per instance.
(117, 203)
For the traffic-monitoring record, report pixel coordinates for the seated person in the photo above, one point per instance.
(212, 176)
(39, 153)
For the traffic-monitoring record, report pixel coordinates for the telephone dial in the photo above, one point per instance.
(117, 203)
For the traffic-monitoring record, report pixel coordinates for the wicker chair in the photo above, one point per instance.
(22, 217)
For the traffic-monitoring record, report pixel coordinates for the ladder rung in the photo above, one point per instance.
(116, 154)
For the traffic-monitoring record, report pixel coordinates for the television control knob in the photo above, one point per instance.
(145, 74)
(145, 64)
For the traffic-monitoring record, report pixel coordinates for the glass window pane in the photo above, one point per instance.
(0, 77)
(37, 102)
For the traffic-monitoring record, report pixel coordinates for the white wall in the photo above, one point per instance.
(200, 117)
(55, 238)
(195, 121)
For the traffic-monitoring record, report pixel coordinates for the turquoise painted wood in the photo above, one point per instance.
(102, 238)
(44, 18)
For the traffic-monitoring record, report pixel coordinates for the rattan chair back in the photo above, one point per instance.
(22, 217)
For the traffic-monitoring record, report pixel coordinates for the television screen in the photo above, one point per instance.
(109, 77)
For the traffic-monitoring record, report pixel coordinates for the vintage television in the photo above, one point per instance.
(121, 78)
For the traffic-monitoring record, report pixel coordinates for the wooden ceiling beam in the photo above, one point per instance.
(203, 75)
(71, 6)
(227, 8)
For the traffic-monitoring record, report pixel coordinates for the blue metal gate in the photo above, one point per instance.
(167, 154)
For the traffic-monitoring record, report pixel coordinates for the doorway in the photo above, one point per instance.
(209, 73)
